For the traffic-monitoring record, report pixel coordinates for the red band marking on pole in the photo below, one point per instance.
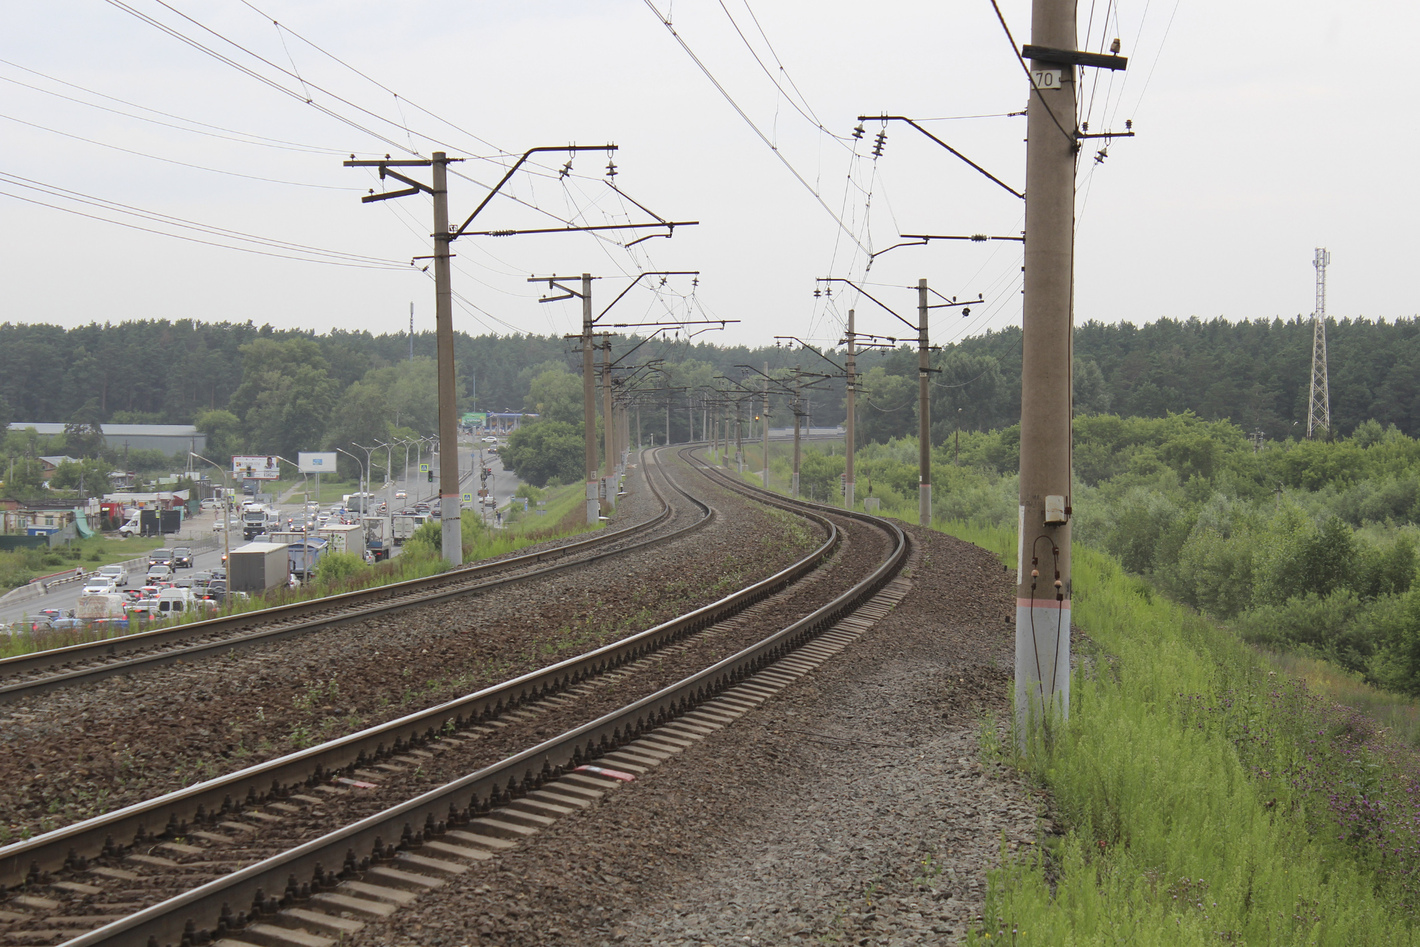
(1042, 603)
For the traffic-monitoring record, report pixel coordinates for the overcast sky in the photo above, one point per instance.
(1265, 130)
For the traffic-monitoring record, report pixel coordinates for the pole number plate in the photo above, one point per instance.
(1046, 79)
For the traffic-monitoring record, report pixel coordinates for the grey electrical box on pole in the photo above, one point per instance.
(1043, 588)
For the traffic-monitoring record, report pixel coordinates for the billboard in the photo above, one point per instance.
(262, 467)
(313, 462)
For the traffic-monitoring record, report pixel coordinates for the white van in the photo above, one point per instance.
(176, 601)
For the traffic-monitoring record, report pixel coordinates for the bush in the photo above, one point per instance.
(338, 566)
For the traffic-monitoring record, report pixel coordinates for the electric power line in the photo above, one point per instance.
(335, 256)
(183, 164)
(749, 121)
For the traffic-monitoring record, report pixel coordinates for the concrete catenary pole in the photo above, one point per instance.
(609, 428)
(924, 420)
(852, 403)
(798, 404)
(589, 403)
(451, 543)
(1043, 558)
(739, 437)
(764, 429)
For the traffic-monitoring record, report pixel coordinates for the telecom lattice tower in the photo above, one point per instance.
(1319, 416)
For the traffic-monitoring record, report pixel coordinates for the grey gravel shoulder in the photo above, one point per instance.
(853, 808)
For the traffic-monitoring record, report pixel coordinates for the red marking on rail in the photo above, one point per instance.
(609, 773)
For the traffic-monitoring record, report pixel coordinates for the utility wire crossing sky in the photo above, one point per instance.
(184, 160)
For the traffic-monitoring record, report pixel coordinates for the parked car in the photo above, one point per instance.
(211, 503)
(115, 574)
(182, 557)
(490, 439)
(231, 523)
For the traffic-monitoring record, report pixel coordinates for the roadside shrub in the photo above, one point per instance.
(338, 566)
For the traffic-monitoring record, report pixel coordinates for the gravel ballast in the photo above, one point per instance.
(852, 808)
(74, 753)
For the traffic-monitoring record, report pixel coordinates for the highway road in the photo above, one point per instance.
(197, 531)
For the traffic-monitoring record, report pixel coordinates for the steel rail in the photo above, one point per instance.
(359, 605)
(175, 813)
(208, 910)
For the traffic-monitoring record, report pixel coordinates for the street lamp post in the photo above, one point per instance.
(369, 470)
(361, 465)
(226, 508)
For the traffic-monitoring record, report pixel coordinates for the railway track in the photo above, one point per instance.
(428, 797)
(26, 676)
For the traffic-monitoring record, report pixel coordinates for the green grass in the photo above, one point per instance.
(20, 566)
(1206, 794)
(1193, 784)
(1395, 714)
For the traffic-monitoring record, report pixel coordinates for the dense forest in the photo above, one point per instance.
(256, 388)
(1307, 545)
(1188, 462)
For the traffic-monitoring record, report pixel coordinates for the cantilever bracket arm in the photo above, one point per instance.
(638, 279)
(511, 171)
(880, 304)
(1074, 57)
(513, 233)
(904, 118)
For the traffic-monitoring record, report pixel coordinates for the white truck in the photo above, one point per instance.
(404, 525)
(377, 536)
(348, 537)
(257, 520)
(103, 607)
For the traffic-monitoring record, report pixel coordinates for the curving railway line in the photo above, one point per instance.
(25, 676)
(306, 848)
